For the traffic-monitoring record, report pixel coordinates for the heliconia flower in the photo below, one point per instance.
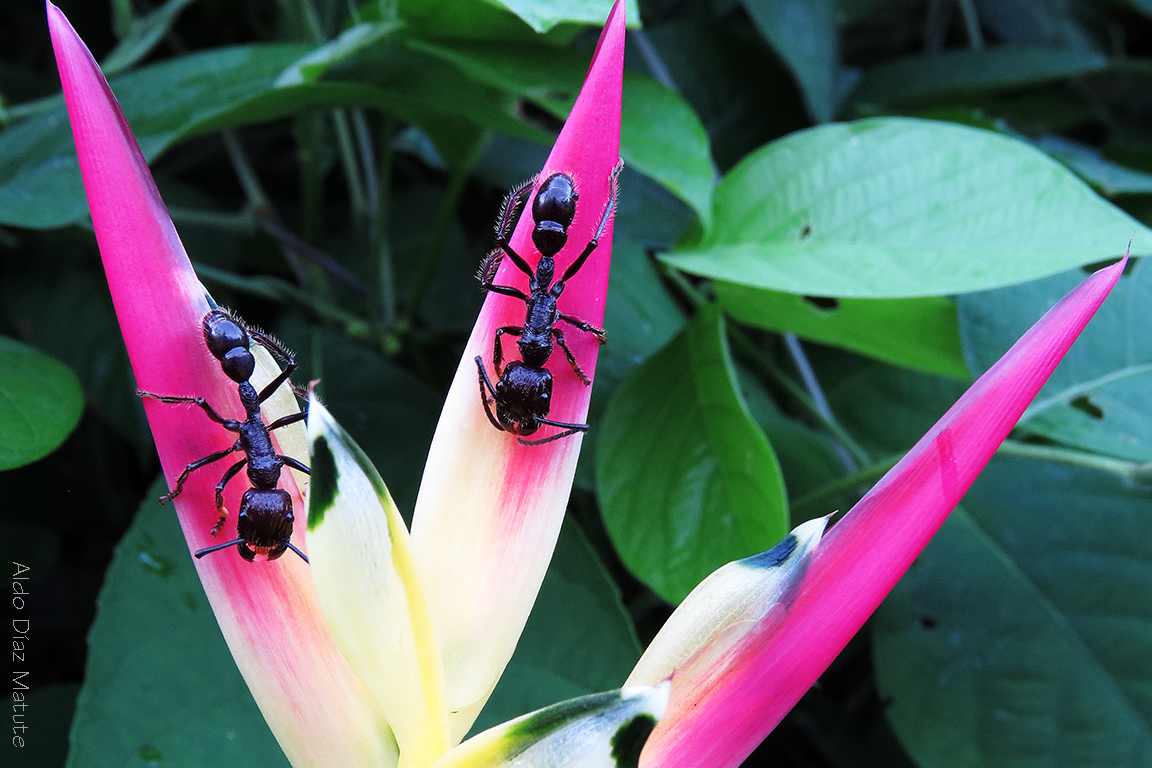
(758, 662)
(268, 616)
(480, 545)
(489, 510)
(403, 635)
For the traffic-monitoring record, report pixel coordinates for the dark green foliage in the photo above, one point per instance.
(834, 169)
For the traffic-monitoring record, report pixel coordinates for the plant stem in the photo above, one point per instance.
(1140, 472)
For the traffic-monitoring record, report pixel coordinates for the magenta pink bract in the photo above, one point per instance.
(865, 554)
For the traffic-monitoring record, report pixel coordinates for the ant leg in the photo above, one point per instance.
(571, 358)
(272, 344)
(512, 207)
(506, 290)
(215, 548)
(569, 429)
(220, 510)
(485, 382)
(284, 421)
(195, 466)
(609, 209)
(498, 348)
(274, 385)
(230, 424)
(291, 462)
(597, 332)
(506, 222)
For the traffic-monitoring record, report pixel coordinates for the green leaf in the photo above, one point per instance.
(578, 640)
(710, 63)
(914, 333)
(160, 685)
(143, 35)
(662, 137)
(1110, 178)
(39, 177)
(641, 316)
(962, 70)
(804, 33)
(1100, 397)
(40, 403)
(808, 457)
(543, 15)
(687, 481)
(531, 69)
(893, 207)
(1020, 636)
(351, 41)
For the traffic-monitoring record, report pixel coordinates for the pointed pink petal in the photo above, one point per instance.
(863, 556)
(489, 509)
(267, 611)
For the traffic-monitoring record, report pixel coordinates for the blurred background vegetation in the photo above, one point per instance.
(334, 169)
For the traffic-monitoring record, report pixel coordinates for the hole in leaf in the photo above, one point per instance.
(825, 303)
(805, 231)
(1085, 405)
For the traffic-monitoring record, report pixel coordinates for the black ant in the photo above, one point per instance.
(264, 524)
(523, 393)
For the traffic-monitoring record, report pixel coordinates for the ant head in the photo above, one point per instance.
(227, 340)
(264, 523)
(553, 210)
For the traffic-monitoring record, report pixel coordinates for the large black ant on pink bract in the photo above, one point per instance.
(523, 393)
(264, 523)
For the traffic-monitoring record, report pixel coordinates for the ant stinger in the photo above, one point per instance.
(522, 395)
(264, 524)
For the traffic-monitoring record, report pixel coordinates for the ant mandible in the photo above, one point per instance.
(523, 393)
(264, 524)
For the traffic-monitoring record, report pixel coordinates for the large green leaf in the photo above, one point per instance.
(1022, 635)
(916, 333)
(578, 640)
(1100, 397)
(804, 33)
(40, 403)
(663, 138)
(160, 686)
(894, 207)
(687, 481)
